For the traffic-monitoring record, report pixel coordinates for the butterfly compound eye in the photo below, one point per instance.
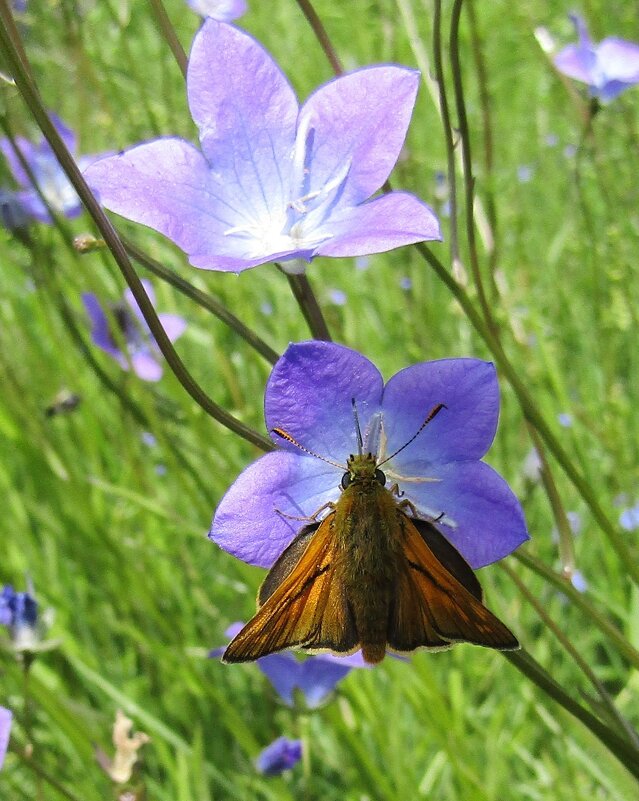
(346, 480)
(379, 476)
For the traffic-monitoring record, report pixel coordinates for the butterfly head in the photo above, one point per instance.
(361, 469)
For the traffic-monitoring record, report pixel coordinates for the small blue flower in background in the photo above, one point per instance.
(141, 348)
(273, 181)
(6, 719)
(608, 67)
(315, 677)
(282, 754)
(13, 214)
(337, 296)
(222, 10)
(17, 609)
(629, 518)
(578, 581)
(47, 172)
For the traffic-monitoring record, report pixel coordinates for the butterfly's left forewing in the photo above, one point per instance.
(304, 605)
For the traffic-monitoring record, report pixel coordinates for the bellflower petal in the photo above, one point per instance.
(310, 392)
(363, 118)
(222, 10)
(276, 485)
(173, 324)
(100, 333)
(6, 719)
(481, 516)
(274, 183)
(282, 754)
(315, 677)
(608, 67)
(382, 224)
(463, 430)
(146, 366)
(309, 395)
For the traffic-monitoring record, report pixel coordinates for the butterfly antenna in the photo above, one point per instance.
(433, 413)
(360, 442)
(285, 435)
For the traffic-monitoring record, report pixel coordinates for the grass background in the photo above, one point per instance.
(112, 531)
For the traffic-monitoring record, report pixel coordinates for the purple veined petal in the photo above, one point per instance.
(29, 152)
(363, 118)
(146, 366)
(221, 10)
(6, 719)
(284, 672)
(100, 332)
(576, 62)
(246, 112)
(489, 522)
(464, 430)
(382, 224)
(310, 392)
(210, 260)
(173, 324)
(248, 523)
(165, 184)
(619, 59)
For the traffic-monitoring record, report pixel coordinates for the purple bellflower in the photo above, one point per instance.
(608, 67)
(17, 609)
(314, 677)
(142, 351)
(282, 754)
(6, 719)
(309, 395)
(273, 181)
(48, 174)
(222, 10)
(629, 518)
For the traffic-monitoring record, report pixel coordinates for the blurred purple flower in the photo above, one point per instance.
(315, 676)
(564, 419)
(608, 67)
(47, 172)
(13, 214)
(337, 297)
(273, 182)
(141, 348)
(525, 173)
(406, 283)
(309, 395)
(629, 518)
(578, 581)
(6, 719)
(282, 754)
(17, 609)
(222, 10)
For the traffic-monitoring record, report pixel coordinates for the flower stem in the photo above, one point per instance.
(31, 96)
(625, 752)
(168, 31)
(322, 37)
(305, 297)
(203, 299)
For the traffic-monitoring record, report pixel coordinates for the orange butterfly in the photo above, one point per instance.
(369, 576)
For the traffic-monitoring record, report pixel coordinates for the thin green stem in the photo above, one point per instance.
(168, 32)
(43, 774)
(448, 134)
(32, 98)
(625, 752)
(469, 181)
(613, 713)
(305, 297)
(203, 299)
(322, 37)
(582, 602)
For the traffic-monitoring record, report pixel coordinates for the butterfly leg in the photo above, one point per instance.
(307, 518)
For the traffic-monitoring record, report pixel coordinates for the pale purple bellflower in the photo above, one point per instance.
(47, 172)
(314, 677)
(282, 754)
(222, 10)
(273, 181)
(142, 351)
(6, 719)
(310, 395)
(608, 67)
